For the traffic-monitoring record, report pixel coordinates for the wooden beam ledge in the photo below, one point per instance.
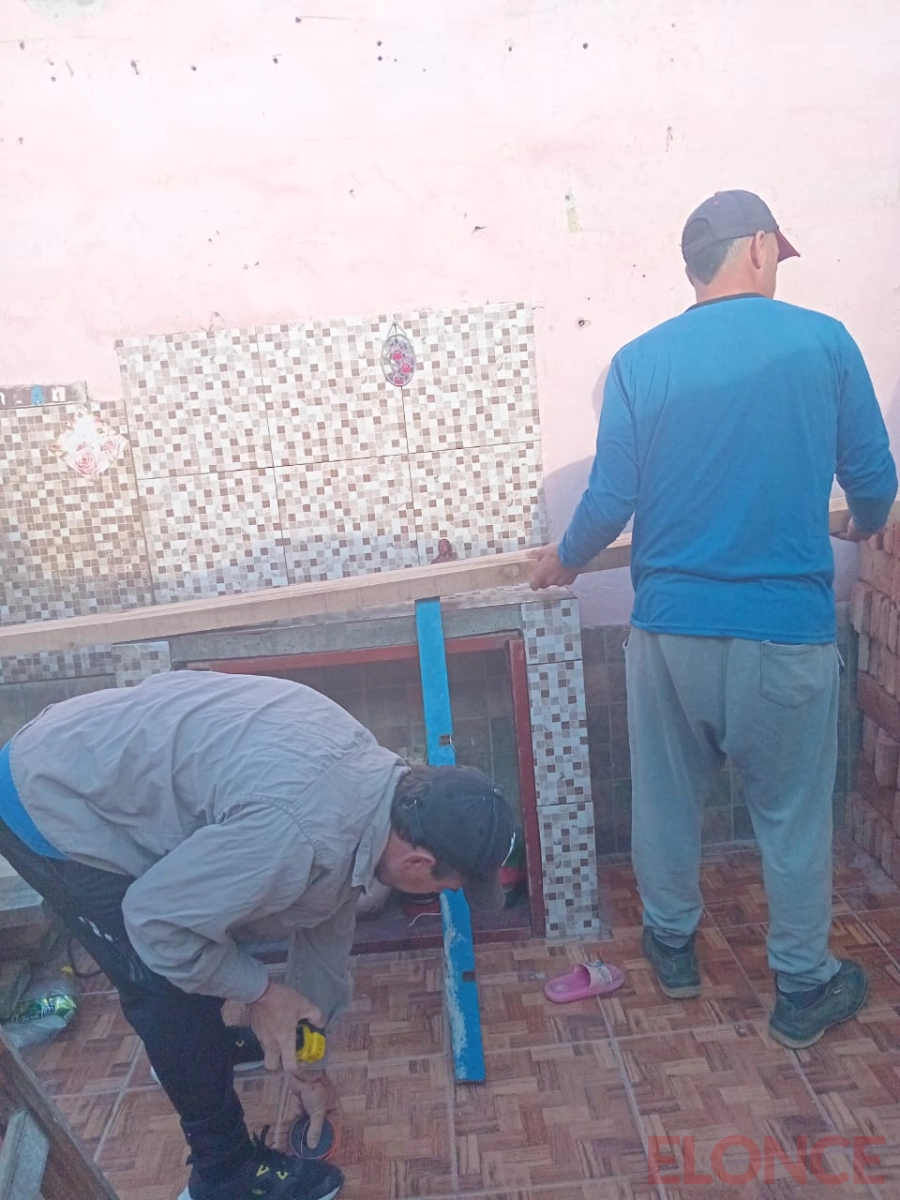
(162, 621)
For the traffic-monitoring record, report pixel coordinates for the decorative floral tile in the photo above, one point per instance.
(71, 543)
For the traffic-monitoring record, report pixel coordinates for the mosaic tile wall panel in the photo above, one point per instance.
(136, 661)
(551, 628)
(346, 518)
(195, 402)
(69, 664)
(558, 732)
(484, 500)
(456, 453)
(571, 896)
(70, 544)
(327, 399)
(214, 534)
(476, 385)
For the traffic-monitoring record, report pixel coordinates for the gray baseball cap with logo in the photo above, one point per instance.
(729, 215)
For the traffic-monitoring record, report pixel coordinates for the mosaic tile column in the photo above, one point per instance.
(136, 661)
(552, 634)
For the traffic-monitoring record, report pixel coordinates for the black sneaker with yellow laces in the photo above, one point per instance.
(269, 1175)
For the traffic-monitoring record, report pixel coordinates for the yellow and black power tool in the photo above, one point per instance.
(310, 1042)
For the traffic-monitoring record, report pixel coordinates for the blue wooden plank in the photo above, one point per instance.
(435, 684)
(460, 988)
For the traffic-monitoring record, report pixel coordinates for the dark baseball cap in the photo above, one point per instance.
(728, 215)
(464, 821)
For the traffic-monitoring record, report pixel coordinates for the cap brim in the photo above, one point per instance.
(785, 249)
(484, 893)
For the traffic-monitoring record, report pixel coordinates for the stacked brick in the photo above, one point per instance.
(873, 810)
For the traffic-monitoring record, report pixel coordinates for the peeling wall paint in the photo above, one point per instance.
(162, 162)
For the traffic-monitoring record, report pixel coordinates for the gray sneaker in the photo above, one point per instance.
(800, 1018)
(677, 972)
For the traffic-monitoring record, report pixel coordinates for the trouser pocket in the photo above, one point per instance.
(792, 675)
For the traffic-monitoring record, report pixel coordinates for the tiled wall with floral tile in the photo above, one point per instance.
(248, 458)
(285, 454)
(71, 535)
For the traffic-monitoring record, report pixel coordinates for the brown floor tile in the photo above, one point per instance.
(884, 925)
(620, 902)
(144, 1153)
(395, 1128)
(88, 1116)
(640, 1007)
(851, 937)
(515, 1013)
(550, 1115)
(715, 1084)
(94, 1054)
(855, 1072)
(597, 1189)
(397, 1009)
(825, 1174)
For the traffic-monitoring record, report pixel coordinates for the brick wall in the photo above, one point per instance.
(873, 810)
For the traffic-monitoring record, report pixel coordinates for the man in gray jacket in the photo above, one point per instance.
(172, 822)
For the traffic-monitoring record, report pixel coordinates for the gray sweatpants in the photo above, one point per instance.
(772, 710)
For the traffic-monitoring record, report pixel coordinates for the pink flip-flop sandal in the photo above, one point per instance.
(584, 980)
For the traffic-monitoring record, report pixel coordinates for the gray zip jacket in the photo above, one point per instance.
(243, 806)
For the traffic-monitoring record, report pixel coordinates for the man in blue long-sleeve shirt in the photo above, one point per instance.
(722, 431)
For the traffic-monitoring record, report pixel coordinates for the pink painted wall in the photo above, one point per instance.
(167, 165)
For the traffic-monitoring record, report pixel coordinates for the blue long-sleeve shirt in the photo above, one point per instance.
(722, 431)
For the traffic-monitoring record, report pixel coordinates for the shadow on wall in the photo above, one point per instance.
(605, 597)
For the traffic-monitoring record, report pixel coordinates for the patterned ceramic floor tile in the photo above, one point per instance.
(516, 1014)
(855, 1072)
(884, 925)
(94, 1054)
(824, 1174)
(640, 1007)
(546, 1116)
(395, 1129)
(597, 1189)
(397, 1011)
(698, 1089)
(144, 1152)
(620, 901)
(851, 937)
(88, 1116)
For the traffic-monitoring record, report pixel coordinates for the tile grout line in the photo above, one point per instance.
(823, 1112)
(629, 1094)
(450, 1089)
(117, 1103)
